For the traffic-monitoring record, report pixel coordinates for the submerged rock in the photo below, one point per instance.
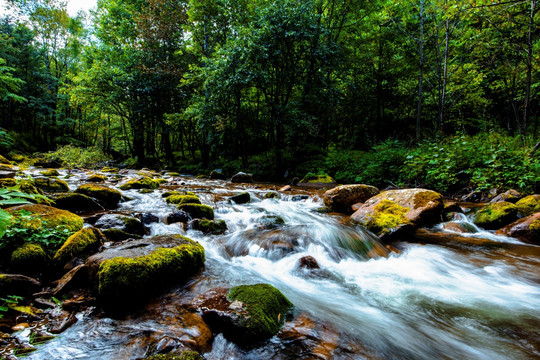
(177, 216)
(526, 229)
(105, 195)
(242, 177)
(343, 197)
(242, 198)
(529, 205)
(246, 313)
(495, 215)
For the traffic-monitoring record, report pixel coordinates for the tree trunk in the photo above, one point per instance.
(421, 77)
(529, 68)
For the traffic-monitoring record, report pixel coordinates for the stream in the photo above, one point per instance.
(365, 302)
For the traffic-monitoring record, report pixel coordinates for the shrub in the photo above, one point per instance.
(71, 156)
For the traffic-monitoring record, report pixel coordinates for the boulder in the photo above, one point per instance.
(16, 284)
(116, 235)
(177, 216)
(96, 178)
(50, 172)
(127, 274)
(183, 199)
(106, 196)
(50, 217)
(29, 259)
(148, 218)
(529, 205)
(197, 211)
(209, 226)
(317, 181)
(511, 196)
(77, 203)
(83, 243)
(242, 177)
(123, 223)
(51, 184)
(495, 215)
(341, 198)
(242, 198)
(143, 182)
(526, 229)
(399, 211)
(285, 188)
(217, 175)
(246, 313)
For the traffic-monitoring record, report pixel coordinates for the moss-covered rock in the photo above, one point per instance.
(399, 211)
(8, 182)
(526, 229)
(529, 205)
(245, 314)
(16, 284)
(51, 185)
(184, 355)
(3, 160)
(29, 258)
(341, 198)
(83, 243)
(511, 196)
(110, 170)
(217, 175)
(496, 215)
(242, 198)
(317, 181)
(172, 173)
(271, 195)
(130, 273)
(116, 235)
(183, 199)
(209, 226)
(127, 224)
(144, 182)
(50, 172)
(242, 177)
(166, 194)
(25, 186)
(197, 211)
(106, 196)
(50, 217)
(96, 178)
(77, 203)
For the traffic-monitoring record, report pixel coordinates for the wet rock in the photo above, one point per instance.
(51, 184)
(106, 196)
(77, 203)
(144, 182)
(341, 198)
(50, 172)
(271, 222)
(116, 235)
(526, 229)
(177, 216)
(62, 323)
(242, 198)
(177, 355)
(83, 243)
(7, 174)
(183, 199)
(495, 215)
(123, 223)
(307, 262)
(95, 178)
(78, 303)
(271, 195)
(16, 284)
(217, 175)
(127, 274)
(299, 197)
(529, 205)
(242, 177)
(458, 227)
(216, 227)
(317, 181)
(285, 188)
(29, 259)
(244, 314)
(147, 219)
(399, 211)
(474, 196)
(510, 196)
(197, 211)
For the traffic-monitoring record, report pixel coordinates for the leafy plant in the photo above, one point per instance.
(13, 196)
(7, 302)
(71, 156)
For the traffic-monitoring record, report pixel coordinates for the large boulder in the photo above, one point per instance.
(209, 226)
(511, 196)
(399, 211)
(341, 198)
(127, 274)
(83, 243)
(495, 215)
(49, 217)
(77, 203)
(16, 284)
(242, 177)
(51, 184)
(183, 199)
(197, 211)
(124, 223)
(529, 205)
(526, 229)
(29, 258)
(143, 182)
(246, 313)
(317, 181)
(105, 195)
(242, 198)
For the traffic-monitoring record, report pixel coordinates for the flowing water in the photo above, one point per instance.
(423, 302)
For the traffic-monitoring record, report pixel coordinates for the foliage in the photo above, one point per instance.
(13, 196)
(71, 157)
(7, 302)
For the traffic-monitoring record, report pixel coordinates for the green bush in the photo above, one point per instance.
(71, 157)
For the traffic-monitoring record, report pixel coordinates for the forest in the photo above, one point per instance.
(435, 93)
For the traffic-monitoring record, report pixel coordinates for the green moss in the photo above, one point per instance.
(51, 185)
(51, 217)
(29, 257)
(50, 172)
(119, 235)
(3, 160)
(266, 306)
(211, 227)
(529, 205)
(172, 174)
(185, 355)
(83, 243)
(271, 195)
(197, 211)
(387, 215)
(110, 170)
(535, 226)
(161, 180)
(496, 215)
(8, 182)
(183, 199)
(171, 193)
(107, 196)
(316, 179)
(97, 178)
(144, 182)
(425, 197)
(123, 279)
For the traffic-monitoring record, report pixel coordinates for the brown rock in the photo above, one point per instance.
(15, 284)
(526, 229)
(285, 188)
(511, 196)
(308, 262)
(341, 198)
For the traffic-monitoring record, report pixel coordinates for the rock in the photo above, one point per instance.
(127, 274)
(242, 198)
(271, 195)
(29, 258)
(7, 174)
(474, 196)
(299, 197)
(78, 276)
(217, 175)
(399, 211)
(183, 199)
(270, 222)
(246, 313)
(110, 170)
(127, 224)
(65, 322)
(148, 218)
(16, 284)
(463, 228)
(526, 229)
(181, 355)
(3, 160)
(495, 215)
(95, 178)
(197, 211)
(50, 172)
(82, 244)
(341, 198)
(116, 235)
(106, 196)
(242, 177)
(50, 217)
(285, 188)
(529, 205)
(209, 226)
(317, 181)
(25, 186)
(307, 262)
(51, 185)
(143, 182)
(511, 196)
(177, 216)
(77, 203)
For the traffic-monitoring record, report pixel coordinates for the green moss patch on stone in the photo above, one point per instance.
(3, 160)
(110, 170)
(51, 217)
(76, 202)
(496, 215)
(317, 179)
(183, 199)
(529, 205)
(424, 198)
(83, 243)
(210, 226)
(50, 172)
(197, 211)
(172, 174)
(144, 182)
(107, 196)
(51, 184)
(386, 217)
(266, 310)
(29, 258)
(96, 178)
(242, 198)
(119, 235)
